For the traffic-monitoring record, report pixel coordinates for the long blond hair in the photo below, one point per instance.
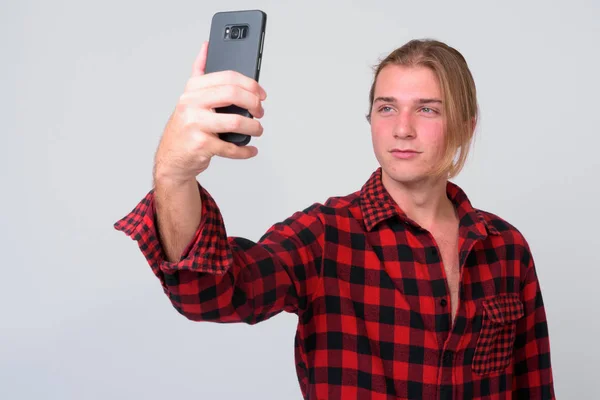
(459, 95)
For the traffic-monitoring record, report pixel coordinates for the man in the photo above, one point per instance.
(402, 289)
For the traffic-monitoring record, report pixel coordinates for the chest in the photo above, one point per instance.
(448, 247)
(447, 241)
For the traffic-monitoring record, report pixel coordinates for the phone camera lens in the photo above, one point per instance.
(235, 32)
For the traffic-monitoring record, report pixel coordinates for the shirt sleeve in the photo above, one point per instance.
(233, 279)
(532, 363)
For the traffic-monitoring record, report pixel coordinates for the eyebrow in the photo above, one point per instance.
(390, 99)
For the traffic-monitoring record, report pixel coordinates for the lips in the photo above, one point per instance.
(404, 154)
(404, 151)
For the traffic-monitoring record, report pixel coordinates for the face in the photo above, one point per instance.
(407, 123)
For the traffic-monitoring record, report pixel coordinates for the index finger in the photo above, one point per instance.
(225, 78)
(200, 61)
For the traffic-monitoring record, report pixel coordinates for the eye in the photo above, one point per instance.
(429, 110)
(385, 109)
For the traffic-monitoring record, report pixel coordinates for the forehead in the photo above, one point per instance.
(407, 82)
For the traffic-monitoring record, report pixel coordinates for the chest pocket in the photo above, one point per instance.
(494, 348)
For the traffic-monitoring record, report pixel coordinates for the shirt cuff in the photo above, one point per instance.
(208, 251)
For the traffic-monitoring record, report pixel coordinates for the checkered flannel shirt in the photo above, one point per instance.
(368, 286)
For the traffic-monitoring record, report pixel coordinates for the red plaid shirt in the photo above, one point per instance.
(369, 289)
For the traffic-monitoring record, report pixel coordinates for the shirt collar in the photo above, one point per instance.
(377, 205)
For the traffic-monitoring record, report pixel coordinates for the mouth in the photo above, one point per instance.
(404, 154)
(404, 151)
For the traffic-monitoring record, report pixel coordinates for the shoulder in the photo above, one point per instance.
(510, 237)
(321, 211)
(334, 205)
(498, 223)
(327, 212)
(308, 224)
(341, 204)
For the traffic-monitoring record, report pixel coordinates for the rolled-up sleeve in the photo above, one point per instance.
(222, 278)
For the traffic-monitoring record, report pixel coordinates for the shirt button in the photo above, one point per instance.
(443, 302)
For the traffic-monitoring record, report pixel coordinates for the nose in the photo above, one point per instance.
(404, 125)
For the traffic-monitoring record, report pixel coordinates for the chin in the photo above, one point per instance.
(405, 177)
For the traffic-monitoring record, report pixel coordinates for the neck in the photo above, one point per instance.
(425, 202)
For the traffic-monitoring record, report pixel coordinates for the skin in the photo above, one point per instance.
(408, 114)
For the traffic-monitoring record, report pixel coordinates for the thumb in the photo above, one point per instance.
(200, 61)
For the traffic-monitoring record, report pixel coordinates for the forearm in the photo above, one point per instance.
(222, 278)
(178, 215)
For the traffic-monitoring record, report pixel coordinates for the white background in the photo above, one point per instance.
(86, 88)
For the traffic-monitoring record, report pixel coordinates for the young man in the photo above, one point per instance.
(402, 289)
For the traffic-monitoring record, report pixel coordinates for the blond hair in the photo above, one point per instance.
(459, 95)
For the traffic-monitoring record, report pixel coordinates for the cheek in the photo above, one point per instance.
(431, 134)
(380, 132)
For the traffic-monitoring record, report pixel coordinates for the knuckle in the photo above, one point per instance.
(180, 109)
(230, 150)
(230, 75)
(234, 122)
(190, 85)
(187, 115)
(228, 91)
(183, 100)
(209, 95)
(234, 150)
(200, 140)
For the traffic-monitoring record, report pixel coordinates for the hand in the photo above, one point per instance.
(191, 139)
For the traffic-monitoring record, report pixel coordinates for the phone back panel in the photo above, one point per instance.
(241, 55)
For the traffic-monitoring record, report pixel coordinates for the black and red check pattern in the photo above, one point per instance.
(369, 289)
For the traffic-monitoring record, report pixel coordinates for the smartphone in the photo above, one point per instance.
(236, 43)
